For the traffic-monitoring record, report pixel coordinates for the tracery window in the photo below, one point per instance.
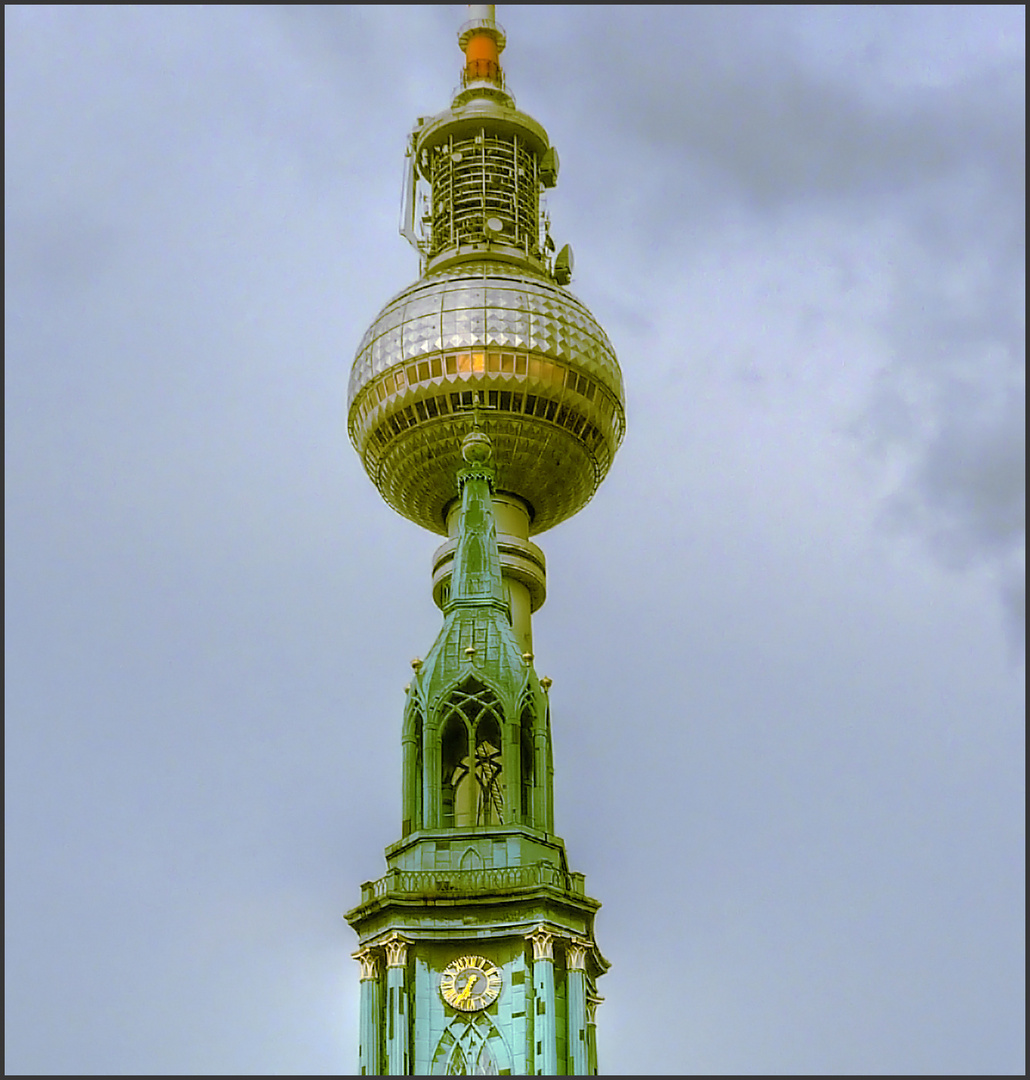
(454, 757)
(471, 1046)
(472, 769)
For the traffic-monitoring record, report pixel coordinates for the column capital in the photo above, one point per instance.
(543, 943)
(576, 954)
(369, 961)
(593, 1000)
(396, 950)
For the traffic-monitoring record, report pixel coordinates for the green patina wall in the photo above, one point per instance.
(510, 1027)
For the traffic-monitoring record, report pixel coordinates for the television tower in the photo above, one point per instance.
(486, 404)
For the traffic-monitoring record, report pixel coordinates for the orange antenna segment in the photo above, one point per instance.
(482, 40)
(481, 47)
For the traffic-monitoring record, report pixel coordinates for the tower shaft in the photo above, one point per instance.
(487, 404)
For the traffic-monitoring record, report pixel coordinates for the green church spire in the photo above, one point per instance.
(487, 938)
(473, 680)
(476, 641)
(476, 578)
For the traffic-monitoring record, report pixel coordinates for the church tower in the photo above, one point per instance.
(486, 404)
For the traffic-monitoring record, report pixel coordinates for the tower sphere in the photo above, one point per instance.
(489, 335)
(548, 385)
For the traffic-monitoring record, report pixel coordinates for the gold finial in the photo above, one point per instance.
(527, 657)
(476, 447)
(416, 664)
(546, 682)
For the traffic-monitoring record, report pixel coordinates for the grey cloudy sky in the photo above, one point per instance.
(786, 635)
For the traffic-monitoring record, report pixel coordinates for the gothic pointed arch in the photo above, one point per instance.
(457, 1063)
(455, 770)
(470, 860)
(449, 1059)
(527, 760)
(473, 784)
(471, 1046)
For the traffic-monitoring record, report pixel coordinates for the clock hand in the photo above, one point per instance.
(468, 989)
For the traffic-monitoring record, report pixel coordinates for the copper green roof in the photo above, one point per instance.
(476, 639)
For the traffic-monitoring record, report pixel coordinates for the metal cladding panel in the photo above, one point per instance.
(490, 304)
(541, 463)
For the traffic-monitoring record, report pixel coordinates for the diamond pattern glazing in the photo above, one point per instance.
(555, 421)
(480, 304)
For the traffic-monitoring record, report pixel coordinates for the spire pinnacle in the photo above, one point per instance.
(476, 578)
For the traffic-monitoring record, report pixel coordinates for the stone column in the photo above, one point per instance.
(398, 1038)
(593, 1000)
(432, 769)
(545, 766)
(369, 1033)
(576, 986)
(545, 1045)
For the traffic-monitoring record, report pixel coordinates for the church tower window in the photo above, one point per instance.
(472, 791)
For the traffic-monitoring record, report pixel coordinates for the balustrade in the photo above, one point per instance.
(484, 880)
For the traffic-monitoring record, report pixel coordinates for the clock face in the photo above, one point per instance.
(470, 983)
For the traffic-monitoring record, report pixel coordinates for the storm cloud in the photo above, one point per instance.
(788, 701)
